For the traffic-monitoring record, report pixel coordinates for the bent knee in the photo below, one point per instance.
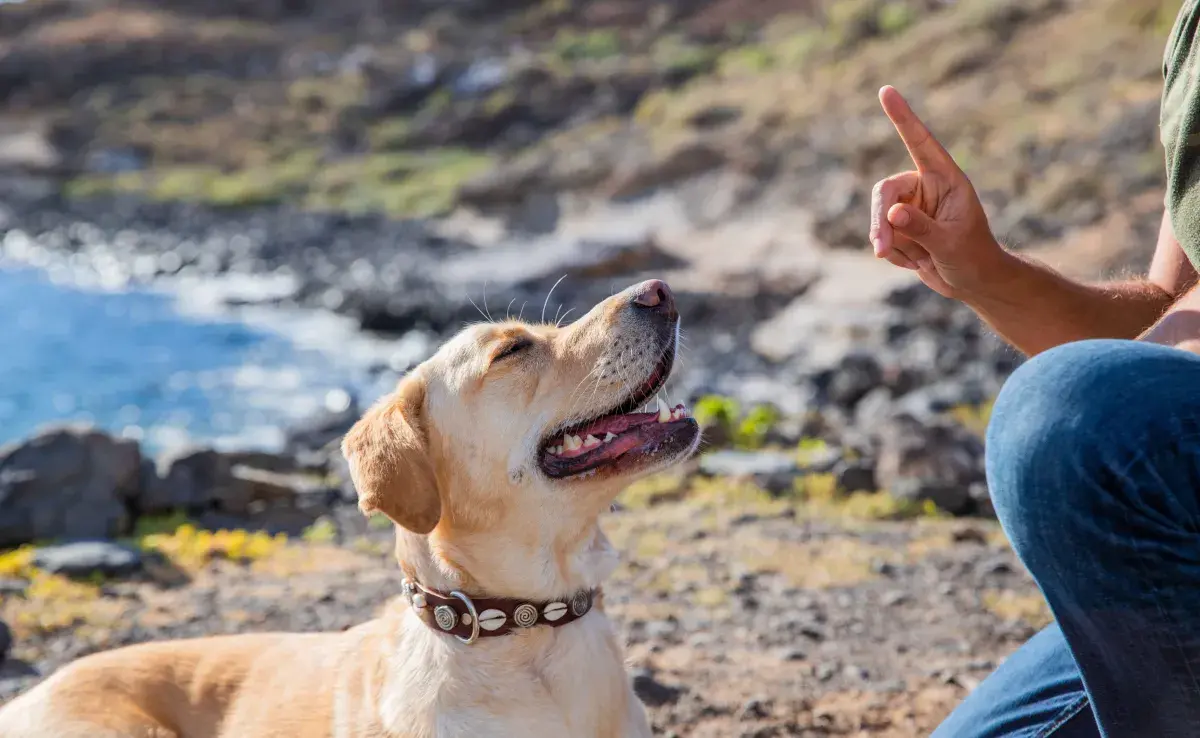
(1069, 411)
(1065, 394)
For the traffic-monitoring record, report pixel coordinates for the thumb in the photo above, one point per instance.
(914, 224)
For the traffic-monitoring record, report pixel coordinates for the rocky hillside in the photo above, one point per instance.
(1050, 105)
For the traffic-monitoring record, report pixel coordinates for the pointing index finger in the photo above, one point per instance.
(924, 149)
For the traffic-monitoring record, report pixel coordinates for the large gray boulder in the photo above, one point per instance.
(200, 479)
(194, 479)
(67, 483)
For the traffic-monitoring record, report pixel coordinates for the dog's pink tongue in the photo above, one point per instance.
(617, 424)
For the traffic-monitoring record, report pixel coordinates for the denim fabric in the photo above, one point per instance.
(1093, 460)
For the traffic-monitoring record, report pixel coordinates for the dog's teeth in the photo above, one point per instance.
(676, 414)
(608, 437)
(572, 443)
(664, 412)
(591, 441)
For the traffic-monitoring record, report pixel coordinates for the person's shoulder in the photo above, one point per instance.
(1178, 52)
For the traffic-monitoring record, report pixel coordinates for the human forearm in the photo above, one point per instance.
(1035, 308)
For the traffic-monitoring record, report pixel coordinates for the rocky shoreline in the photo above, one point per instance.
(880, 379)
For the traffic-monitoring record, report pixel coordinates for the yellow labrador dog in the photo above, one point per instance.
(495, 459)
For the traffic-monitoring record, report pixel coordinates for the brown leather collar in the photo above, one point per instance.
(471, 618)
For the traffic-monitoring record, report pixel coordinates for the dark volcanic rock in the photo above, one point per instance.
(855, 476)
(203, 480)
(653, 692)
(195, 479)
(71, 483)
(938, 461)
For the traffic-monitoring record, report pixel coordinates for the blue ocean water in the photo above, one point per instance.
(131, 362)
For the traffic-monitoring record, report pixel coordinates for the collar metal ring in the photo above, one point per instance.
(474, 618)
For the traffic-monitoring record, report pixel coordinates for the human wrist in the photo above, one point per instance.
(1000, 280)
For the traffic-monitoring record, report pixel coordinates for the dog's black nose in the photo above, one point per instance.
(654, 295)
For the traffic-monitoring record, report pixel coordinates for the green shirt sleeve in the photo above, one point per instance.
(1179, 127)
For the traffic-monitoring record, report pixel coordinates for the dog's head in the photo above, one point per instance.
(501, 451)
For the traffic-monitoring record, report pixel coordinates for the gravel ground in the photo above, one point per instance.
(744, 615)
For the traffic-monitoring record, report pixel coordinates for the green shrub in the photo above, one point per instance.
(753, 429)
(601, 43)
(323, 531)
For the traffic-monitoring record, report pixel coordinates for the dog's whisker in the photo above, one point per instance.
(508, 310)
(551, 292)
(481, 313)
(558, 323)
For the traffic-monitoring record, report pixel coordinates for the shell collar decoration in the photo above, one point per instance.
(470, 618)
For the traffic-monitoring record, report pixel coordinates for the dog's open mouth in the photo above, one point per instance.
(621, 439)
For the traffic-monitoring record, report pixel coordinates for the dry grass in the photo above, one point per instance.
(1027, 608)
(53, 603)
(115, 26)
(834, 562)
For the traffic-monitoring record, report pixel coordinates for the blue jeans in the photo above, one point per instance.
(1093, 461)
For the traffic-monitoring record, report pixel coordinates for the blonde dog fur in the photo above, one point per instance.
(451, 456)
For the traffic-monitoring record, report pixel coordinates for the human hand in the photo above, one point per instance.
(1192, 345)
(930, 220)
(1180, 326)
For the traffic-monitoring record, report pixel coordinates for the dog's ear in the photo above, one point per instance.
(389, 460)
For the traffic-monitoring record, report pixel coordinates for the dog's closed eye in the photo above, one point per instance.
(514, 347)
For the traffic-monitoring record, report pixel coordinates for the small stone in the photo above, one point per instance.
(894, 598)
(755, 709)
(86, 558)
(825, 671)
(854, 672)
(855, 476)
(772, 470)
(652, 692)
(660, 629)
(883, 568)
(793, 654)
(994, 567)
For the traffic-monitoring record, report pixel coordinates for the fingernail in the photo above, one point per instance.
(877, 245)
(900, 218)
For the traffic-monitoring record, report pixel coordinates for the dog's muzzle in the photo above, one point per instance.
(469, 619)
